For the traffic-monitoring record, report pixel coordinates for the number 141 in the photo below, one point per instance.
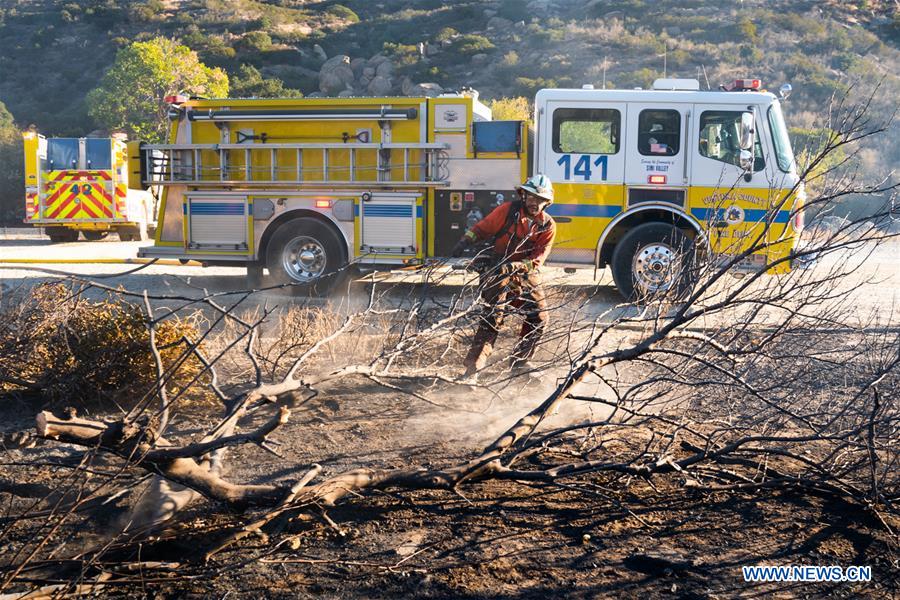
(582, 166)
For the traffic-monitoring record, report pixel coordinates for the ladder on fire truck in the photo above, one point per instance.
(264, 165)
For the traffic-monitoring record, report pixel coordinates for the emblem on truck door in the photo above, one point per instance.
(734, 215)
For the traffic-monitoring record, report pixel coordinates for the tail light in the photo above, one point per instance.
(799, 220)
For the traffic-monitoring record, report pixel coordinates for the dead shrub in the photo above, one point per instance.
(68, 349)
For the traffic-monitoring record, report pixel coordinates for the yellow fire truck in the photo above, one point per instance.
(83, 185)
(303, 186)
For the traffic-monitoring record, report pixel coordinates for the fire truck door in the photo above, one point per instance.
(658, 147)
(717, 160)
(732, 201)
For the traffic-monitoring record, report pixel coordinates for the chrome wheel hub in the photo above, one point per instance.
(654, 267)
(304, 259)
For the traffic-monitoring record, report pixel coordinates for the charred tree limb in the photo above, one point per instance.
(130, 443)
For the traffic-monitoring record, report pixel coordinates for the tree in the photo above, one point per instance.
(131, 93)
(511, 109)
(250, 83)
(11, 169)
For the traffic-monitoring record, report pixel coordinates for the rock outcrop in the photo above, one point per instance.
(344, 76)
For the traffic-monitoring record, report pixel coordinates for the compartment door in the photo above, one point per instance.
(388, 223)
(217, 222)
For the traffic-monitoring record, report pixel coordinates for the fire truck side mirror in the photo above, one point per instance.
(746, 160)
(747, 132)
(785, 91)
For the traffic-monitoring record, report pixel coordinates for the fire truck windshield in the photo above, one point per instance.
(783, 152)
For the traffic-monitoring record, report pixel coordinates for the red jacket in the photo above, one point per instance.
(522, 240)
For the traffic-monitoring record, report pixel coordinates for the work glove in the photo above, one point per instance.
(460, 247)
(517, 267)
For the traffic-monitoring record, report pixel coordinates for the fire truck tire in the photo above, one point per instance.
(305, 252)
(133, 234)
(653, 258)
(95, 236)
(60, 235)
(140, 233)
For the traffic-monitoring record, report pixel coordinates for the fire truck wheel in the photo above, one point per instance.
(305, 251)
(95, 236)
(60, 235)
(653, 258)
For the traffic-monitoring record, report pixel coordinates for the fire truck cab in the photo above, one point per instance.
(642, 174)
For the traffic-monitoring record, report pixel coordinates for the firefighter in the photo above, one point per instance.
(522, 235)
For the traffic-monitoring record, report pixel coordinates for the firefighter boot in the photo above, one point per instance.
(477, 357)
(520, 361)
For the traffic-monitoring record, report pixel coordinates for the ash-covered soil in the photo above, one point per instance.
(589, 537)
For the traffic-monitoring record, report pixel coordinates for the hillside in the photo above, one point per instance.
(52, 52)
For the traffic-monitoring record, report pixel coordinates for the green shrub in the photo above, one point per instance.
(256, 41)
(342, 12)
(529, 86)
(746, 30)
(510, 59)
(750, 53)
(447, 33)
(248, 82)
(403, 55)
(846, 61)
(471, 43)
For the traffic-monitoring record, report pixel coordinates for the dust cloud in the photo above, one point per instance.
(473, 416)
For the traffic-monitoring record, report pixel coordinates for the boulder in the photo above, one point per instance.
(358, 64)
(336, 74)
(318, 51)
(431, 90)
(499, 23)
(385, 69)
(406, 86)
(337, 59)
(331, 83)
(346, 94)
(538, 7)
(368, 72)
(479, 59)
(380, 86)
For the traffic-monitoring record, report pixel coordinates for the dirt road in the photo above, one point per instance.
(875, 284)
